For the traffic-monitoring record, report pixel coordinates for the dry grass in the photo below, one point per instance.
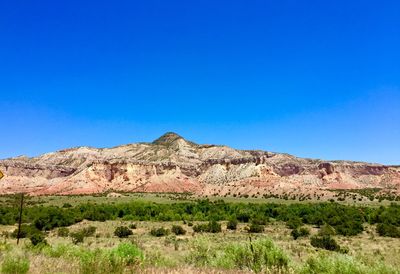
(168, 254)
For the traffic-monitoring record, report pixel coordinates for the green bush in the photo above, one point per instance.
(255, 228)
(300, 232)
(178, 230)
(88, 231)
(37, 239)
(294, 222)
(340, 263)
(326, 230)
(259, 221)
(232, 224)
(97, 260)
(132, 226)
(210, 227)
(15, 265)
(325, 242)
(122, 232)
(77, 237)
(388, 230)
(159, 232)
(201, 253)
(128, 252)
(26, 231)
(258, 256)
(63, 232)
(214, 227)
(200, 228)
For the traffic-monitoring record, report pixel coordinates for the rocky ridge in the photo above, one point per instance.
(173, 164)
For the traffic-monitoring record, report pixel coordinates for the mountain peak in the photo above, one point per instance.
(168, 138)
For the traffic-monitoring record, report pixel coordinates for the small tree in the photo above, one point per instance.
(325, 242)
(232, 224)
(214, 227)
(159, 232)
(255, 228)
(37, 239)
(88, 231)
(326, 230)
(178, 230)
(77, 237)
(300, 232)
(122, 232)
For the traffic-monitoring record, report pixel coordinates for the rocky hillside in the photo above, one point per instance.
(173, 164)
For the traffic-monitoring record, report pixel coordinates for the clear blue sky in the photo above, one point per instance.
(315, 79)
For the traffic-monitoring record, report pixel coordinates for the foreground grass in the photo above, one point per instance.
(273, 251)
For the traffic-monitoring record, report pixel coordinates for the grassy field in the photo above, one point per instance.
(177, 197)
(273, 249)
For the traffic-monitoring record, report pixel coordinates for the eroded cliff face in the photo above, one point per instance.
(172, 164)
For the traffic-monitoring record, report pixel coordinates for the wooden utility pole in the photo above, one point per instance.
(20, 217)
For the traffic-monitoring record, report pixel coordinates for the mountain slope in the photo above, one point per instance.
(173, 164)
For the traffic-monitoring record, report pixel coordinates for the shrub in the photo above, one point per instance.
(15, 265)
(349, 228)
(132, 226)
(178, 230)
(211, 227)
(200, 228)
(257, 256)
(88, 231)
(255, 228)
(63, 232)
(128, 252)
(325, 242)
(159, 232)
(326, 230)
(77, 237)
(300, 232)
(340, 263)
(214, 227)
(26, 231)
(37, 239)
(259, 221)
(232, 224)
(122, 232)
(294, 222)
(201, 254)
(388, 230)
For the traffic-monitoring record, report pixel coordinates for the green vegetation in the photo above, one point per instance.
(388, 230)
(63, 232)
(346, 220)
(37, 239)
(122, 232)
(325, 242)
(178, 230)
(210, 227)
(300, 232)
(159, 232)
(213, 235)
(232, 224)
(340, 263)
(255, 228)
(257, 256)
(15, 265)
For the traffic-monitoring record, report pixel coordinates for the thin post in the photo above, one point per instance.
(20, 217)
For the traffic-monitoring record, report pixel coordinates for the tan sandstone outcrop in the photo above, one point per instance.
(173, 164)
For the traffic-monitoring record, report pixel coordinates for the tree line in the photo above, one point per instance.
(346, 220)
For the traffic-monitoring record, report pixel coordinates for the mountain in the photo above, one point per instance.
(173, 164)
